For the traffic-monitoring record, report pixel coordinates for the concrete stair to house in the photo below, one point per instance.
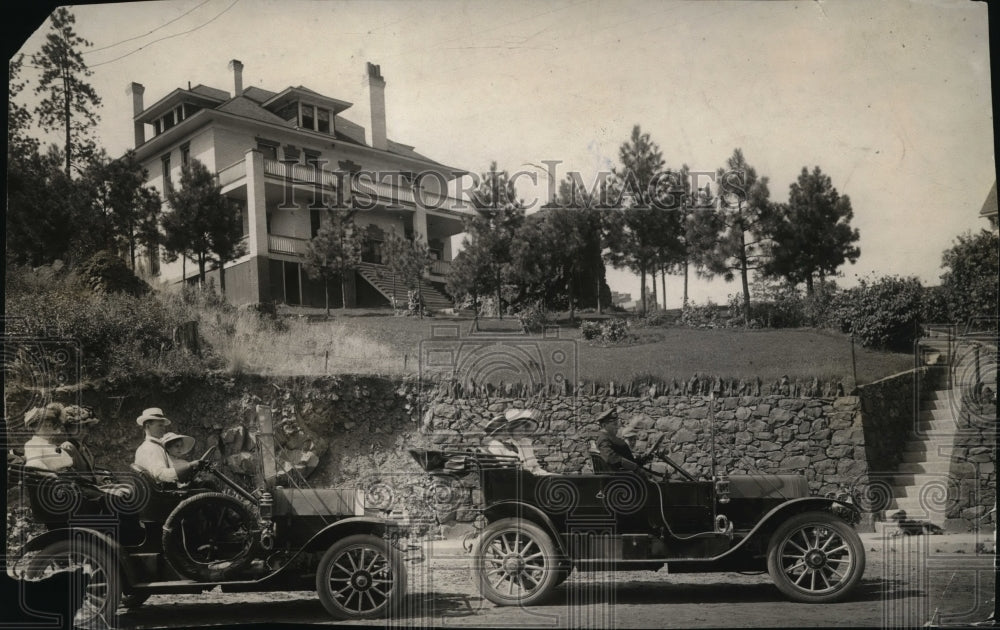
(925, 465)
(381, 278)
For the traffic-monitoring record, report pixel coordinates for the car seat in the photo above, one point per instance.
(596, 461)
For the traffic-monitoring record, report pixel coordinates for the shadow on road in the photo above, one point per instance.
(656, 593)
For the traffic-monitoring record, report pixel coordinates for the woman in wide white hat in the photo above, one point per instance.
(43, 450)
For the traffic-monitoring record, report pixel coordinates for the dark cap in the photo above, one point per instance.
(606, 416)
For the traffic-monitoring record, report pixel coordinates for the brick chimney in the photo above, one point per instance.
(237, 67)
(376, 90)
(136, 90)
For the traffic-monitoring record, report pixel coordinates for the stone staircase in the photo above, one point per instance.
(381, 278)
(925, 464)
(921, 486)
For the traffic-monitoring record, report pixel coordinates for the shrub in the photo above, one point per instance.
(615, 331)
(533, 317)
(706, 316)
(972, 266)
(652, 319)
(881, 313)
(104, 272)
(590, 330)
(108, 334)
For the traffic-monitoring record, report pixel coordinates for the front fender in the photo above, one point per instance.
(349, 527)
(769, 521)
(519, 509)
(100, 538)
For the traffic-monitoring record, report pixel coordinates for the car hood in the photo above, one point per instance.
(768, 486)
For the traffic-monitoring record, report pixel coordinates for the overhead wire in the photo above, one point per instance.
(87, 52)
(104, 63)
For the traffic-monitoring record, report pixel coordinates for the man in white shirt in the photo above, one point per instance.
(152, 457)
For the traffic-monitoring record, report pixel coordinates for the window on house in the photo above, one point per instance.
(308, 117)
(312, 157)
(289, 112)
(157, 127)
(323, 120)
(168, 121)
(269, 149)
(167, 184)
(314, 222)
(185, 155)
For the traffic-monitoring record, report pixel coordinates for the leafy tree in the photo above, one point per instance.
(743, 210)
(129, 207)
(971, 276)
(203, 223)
(645, 231)
(500, 215)
(811, 236)
(470, 274)
(410, 259)
(702, 227)
(335, 251)
(70, 102)
(562, 249)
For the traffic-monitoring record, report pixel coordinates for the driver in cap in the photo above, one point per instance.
(614, 450)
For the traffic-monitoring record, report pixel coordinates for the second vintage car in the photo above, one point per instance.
(537, 527)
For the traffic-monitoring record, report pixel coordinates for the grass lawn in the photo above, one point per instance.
(376, 343)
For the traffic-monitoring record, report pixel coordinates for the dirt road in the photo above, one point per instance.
(905, 584)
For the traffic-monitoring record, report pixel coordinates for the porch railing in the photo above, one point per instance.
(232, 173)
(281, 244)
(441, 267)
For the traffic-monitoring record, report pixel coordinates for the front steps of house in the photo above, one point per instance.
(381, 278)
(921, 487)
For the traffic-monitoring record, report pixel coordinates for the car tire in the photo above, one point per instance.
(201, 515)
(516, 552)
(99, 603)
(815, 558)
(361, 577)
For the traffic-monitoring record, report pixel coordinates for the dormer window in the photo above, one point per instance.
(323, 120)
(308, 117)
(175, 116)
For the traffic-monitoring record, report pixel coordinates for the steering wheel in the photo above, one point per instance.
(652, 449)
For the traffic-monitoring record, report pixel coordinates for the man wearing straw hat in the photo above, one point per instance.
(152, 457)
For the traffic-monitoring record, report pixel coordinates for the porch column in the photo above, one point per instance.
(420, 224)
(256, 204)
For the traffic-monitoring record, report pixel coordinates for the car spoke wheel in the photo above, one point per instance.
(517, 563)
(209, 536)
(99, 600)
(361, 577)
(815, 557)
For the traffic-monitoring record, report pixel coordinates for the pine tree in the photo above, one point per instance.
(203, 223)
(335, 251)
(70, 102)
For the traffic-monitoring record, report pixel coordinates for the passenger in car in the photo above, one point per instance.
(615, 451)
(43, 450)
(152, 457)
(76, 421)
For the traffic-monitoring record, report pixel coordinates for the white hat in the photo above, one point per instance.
(187, 440)
(153, 413)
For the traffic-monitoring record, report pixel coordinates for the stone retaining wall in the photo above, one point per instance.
(888, 408)
(820, 438)
(973, 474)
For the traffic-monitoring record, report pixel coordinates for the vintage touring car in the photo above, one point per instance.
(147, 539)
(536, 527)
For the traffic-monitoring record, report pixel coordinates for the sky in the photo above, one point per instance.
(891, 99)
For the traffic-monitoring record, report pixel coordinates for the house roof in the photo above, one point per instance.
(990, 205)
(292, 94)
(258, 95)
(171, 100)
(212, 92)
(243, 106)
